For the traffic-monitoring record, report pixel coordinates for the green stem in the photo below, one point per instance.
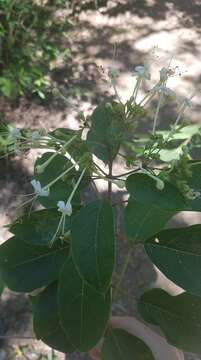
(109, 182)
(122, 274)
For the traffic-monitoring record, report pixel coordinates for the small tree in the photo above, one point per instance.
(63, 255)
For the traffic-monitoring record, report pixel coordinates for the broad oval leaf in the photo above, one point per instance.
(104, 137)
(46, 322)
(39, 227)
(60, 191)
(144, 220)
(93, 244)
(78, 147)
(83, 312)
(120, 345)
(143, 189)
(63, 187)
(149, 209)
(177, 253)
(53, 169)
(25, 267)
(179, 317)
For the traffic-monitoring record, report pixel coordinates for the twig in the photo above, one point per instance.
(109, 182)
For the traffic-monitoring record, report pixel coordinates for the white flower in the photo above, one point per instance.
(142, 72)
(164, 74)
(35, 136)
(162, 89)
(65, 209)
(113, 73)
(38, 188)
(14, 133)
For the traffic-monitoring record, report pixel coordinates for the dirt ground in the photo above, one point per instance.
(136, 27)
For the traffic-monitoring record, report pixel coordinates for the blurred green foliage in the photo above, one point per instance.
(30, 34)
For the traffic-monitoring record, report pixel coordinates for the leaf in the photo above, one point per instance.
(6, 86)
(168, 155)
(120, 345)
(104, 137)
(46, 322)
(93, 244)
(179, 317)
(83, 312)
(186, 132)
(78, 147)
(177, 253)
(25, 267)
(142, 221)
(39, 227)
(143, 189)
(63, 187)
(59, 191)
(149, 209)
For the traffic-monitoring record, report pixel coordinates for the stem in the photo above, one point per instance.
(124, 269)
(109, 182)
(133, 96)
(127, 173)
(136, 90)
(58, 178)
(76, 185)
(157, 112)
(99, 168)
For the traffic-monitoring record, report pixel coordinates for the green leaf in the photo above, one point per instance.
(39, 227)
(168, 155)
(46, 322)
(179, 317)
(186, 132)
(78, 147)
(60, 191)
(63, 187)
(93, 244)
(104, 137)
(120, 345)
(83, 312)
(142, 221)
(143, 189)
(25, 267)
(149, 209)
(6, 86)
(177, 253)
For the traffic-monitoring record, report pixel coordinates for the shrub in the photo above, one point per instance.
(29, 38)
(63, 255)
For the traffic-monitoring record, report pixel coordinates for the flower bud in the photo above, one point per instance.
(65, 209)
(160, 184)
